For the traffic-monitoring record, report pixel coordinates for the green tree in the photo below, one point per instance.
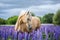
(2, 21)
(12, 20)
(47, 18)
(56, 18)
(32, 14)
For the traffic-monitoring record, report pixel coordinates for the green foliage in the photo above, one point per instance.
(56, 18)
(47, 18)
(2, 21)
(32, 14)
(39, 17)
(51, 36)
(9, 38)
(12, 20)
(43, 35)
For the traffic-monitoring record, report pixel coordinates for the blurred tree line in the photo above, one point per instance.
(47, 18)
(10, 21)
(2, 21)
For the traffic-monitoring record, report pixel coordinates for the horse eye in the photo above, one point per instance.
(28, 19)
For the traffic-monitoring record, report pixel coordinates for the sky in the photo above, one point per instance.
(10, 8)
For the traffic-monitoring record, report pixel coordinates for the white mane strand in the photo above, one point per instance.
(23, 12)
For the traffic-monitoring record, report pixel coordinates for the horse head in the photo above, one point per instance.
(24, 18)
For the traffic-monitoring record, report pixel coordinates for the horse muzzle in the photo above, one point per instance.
(29, 27)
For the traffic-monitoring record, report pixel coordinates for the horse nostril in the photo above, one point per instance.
(30, 27)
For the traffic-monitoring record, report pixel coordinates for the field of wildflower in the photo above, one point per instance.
(45, 32)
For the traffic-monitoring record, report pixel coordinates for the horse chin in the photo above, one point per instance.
(29, 31)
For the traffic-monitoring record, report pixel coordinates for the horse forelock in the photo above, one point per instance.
(22, 13)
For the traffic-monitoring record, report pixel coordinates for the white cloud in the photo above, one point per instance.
(48, 2)
(6, 5)
(42, 9)
(10, 12)
(54, 6)
(38, 10)
(2, 4)
(27, 3)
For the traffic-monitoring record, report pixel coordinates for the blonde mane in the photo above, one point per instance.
(23, 12)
